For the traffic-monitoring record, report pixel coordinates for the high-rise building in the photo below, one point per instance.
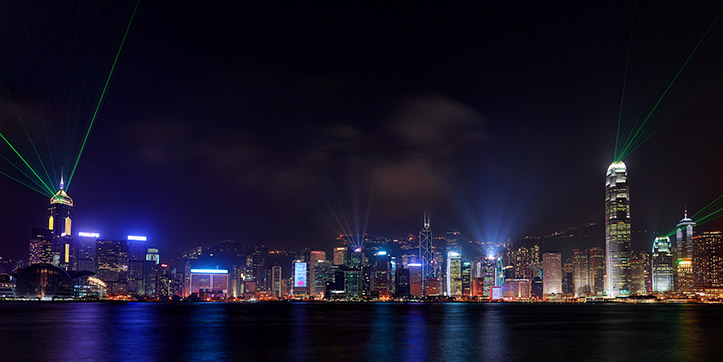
(380, 279)
(340, 255)
(425, 249)
(415, 279)
(708, 259)
(580, 272)
(86, 251)
(662, 259)
(489, 274)
(596, 260)
(617, 230)
(322, 271)
(568, 286)
(454, 274)
(588, 271)
(467, 278)
(59, 213)
(315, 255)
(112, 264)
(684, 254)
(551, 273)
(40, 246)
(639, 272)
(276, 281)
(136, 266)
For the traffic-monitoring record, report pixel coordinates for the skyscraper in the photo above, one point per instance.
(663, 271)
(112, 264)
(40, 246)
(708, 259)
(60, 212)
(340, 255)
(425, 249)
(454, 274)
(684, 253)
(551, 273)
(580, 272)
(617, 230)
(276, 281)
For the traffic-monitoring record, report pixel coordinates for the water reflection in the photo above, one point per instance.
(492, 336)
(208, 322)
(382, 339)
(415, 334)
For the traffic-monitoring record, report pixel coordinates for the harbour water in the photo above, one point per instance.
(359, 332)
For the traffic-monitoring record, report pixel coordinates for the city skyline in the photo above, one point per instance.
(438, 138)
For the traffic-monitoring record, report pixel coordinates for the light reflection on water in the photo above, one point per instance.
(358, 332)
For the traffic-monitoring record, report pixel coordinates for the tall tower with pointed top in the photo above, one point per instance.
(425, 249)
(617, 230)
(684, 253)
(59, 213)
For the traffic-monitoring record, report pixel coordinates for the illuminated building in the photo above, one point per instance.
(415, 279)
(301, 278)
(536, 288)
(153, 255)
(663, 272)
(640, 272)
(516, 289)
(352, 283)
(525, 262)
(552, 273)
(402, 283)
(684, 254)
(478, 287)
(112, 264)
(259, 267)
(466, 278)
(88, 286)
(490, 274)
(86, 251)
(380, 280)
(41, 246)
(7, 285)
(321, 273)
(425, 249)
(568, 286)
(432, 287)
(617, 230)
(209, 283)
(276, 281)
(454, 274)
(580, 272)
(44, 281)
(136, 265)
(340, 255)
(596, 260)
(588, 271)
(60, 212)
(316, 255)
(708, 259)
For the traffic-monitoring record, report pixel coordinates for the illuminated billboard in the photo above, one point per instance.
(83, 234)
(300, 275)
(137, 238)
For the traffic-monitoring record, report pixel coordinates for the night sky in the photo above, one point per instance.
(265, 125)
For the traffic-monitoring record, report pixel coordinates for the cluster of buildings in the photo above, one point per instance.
(63, 265)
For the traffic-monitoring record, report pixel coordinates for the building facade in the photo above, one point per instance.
(617, 230)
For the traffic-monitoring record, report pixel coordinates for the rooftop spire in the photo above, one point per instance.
(62, 184)
(685, 213)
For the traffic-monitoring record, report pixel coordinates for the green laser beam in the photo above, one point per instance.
(25, 184)
(25, 162)
(712, 216)
(630, 142)
(625, 79)
(102, 94)
(706, 207)
(22, 123)
(30, 177)
(673, 116)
